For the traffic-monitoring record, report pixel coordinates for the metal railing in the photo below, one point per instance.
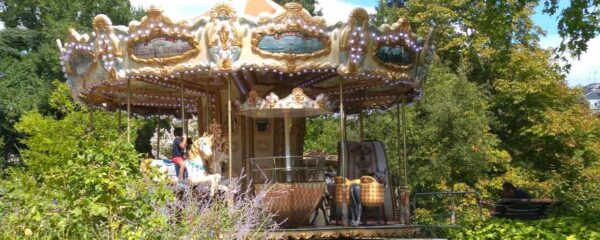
(300, 169)
(453, 203)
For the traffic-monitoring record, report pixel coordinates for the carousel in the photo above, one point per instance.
(255, 72)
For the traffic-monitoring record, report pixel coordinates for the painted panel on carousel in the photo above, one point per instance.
(161, 47)
(293, 35)
(81, 63)
(395, 48)
(157, 40)
(77, 56)
(397, 55)
(290, 43)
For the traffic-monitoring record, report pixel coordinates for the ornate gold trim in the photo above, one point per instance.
(153, 18)
(401, 26)
(295, 11)
(223, 34)
(358, 18)
(222, 8)
(102, 23)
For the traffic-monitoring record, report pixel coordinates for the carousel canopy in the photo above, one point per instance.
(263, 48)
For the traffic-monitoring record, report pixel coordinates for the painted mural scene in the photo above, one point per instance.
(310, 119)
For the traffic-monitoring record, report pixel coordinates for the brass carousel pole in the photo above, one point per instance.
(288, 158)
(128, 110)
(343, 155)
(362, 133)
(404, 198)
(183, 121)
(229, 126)
(406, 188)
(158, 135)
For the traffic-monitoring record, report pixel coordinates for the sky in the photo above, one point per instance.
(583, 70)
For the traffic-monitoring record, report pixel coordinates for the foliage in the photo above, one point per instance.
(322, 135)
(83, 184)
(40, 14)
(578, 23)
(20, 91)
(483, 32)
(235, 214)
(545, 131)
(451, 134)
(548, 131)
(29, 60)
(479, 35)
(15, 41)
(576, 227)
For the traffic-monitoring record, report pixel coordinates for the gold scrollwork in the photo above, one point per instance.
(299, 96)
(293, 11)
(223, 34)
(153, 18)
(402, 26)
(358, 18)
(228, 12)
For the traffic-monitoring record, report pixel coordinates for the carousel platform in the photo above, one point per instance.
(338, 231)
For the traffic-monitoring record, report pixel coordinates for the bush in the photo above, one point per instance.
(81, 184)
(572, 227)
(234, 214)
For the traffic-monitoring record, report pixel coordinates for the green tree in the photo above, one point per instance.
(29, 60)
(20, 91)
(450, 133)
(474, 32)
(501, 22)
(548, 130)
(578, 23)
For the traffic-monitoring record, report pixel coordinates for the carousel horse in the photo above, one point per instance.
(200, 152)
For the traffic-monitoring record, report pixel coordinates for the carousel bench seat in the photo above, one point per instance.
(512, 208)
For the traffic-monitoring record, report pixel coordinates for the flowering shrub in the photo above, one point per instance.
(81, 184)
(234, 214)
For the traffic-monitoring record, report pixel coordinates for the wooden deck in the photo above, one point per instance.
(337, 231)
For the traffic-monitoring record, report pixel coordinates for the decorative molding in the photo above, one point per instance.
(294, 12)
(224, 36)
(355, 39)
(296, 100)
(107, 45)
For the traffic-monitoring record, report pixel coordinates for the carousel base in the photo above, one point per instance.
(338, 231)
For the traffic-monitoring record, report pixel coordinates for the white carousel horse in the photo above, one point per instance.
(195, 167)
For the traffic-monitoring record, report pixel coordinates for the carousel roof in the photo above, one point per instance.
(265, 48)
